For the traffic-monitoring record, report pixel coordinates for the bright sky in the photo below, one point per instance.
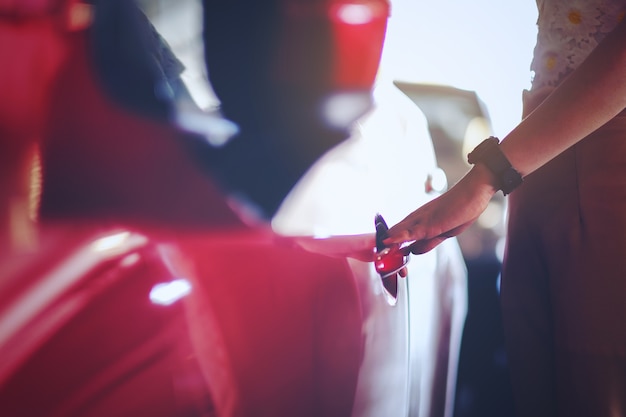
(480, 45)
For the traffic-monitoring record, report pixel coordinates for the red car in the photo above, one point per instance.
(146, 291)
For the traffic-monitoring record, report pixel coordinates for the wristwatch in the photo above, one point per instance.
(488, 153)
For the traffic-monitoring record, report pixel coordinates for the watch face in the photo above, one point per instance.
(510, 179)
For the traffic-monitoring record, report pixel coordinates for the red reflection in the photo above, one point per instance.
(349, 58)
(359, 32)
(390, 260)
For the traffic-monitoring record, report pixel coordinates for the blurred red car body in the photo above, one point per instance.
(126, 323)
(155, 299)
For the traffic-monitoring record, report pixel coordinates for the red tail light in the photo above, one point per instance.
(347, 56)
(358, 31)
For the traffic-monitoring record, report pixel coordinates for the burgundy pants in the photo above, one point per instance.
(564, 282)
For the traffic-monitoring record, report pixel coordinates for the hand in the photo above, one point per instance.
(447, 215)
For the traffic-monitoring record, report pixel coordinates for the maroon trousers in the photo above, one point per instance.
(564, 281)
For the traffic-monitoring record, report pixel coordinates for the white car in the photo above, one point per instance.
(388, 166)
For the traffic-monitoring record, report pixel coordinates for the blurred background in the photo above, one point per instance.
(465, 65)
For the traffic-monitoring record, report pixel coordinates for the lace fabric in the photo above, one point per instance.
(568, 30)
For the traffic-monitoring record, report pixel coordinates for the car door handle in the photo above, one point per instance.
(389, 259)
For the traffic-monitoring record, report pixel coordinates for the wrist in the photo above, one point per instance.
(489, 155)
(484, 180)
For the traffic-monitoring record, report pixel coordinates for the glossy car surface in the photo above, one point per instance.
(145, 293)
(123, 322)
(388, 166)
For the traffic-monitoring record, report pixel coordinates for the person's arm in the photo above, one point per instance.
(591, 96)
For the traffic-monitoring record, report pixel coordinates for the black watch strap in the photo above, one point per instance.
(488, 153)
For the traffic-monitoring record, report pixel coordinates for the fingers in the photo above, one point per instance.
(406, 234)
(426, 245)
(436, 221)
(405, 231)
(423, 246)
(415, 226)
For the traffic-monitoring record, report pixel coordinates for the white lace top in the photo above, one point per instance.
(568, 30)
